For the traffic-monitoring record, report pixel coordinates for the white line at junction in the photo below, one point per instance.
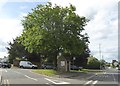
(31, 78)
(56, 81)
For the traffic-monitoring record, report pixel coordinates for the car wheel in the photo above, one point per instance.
(21, 67)
(33, 67)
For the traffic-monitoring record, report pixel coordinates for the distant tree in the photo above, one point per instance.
(108, 64)
(50, 30)
(102, 63)
(119, 62)
(81, 60)
(93, 63)
(17, 50)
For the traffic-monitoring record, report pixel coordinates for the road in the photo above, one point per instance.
(109, 77)
(21, 77)
(26, 77)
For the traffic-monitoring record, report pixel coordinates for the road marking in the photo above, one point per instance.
(92, 82)
(1, 77)
(88, 82)
(18, 72)
(95, 82)
(31, 78)
(92, 76)
(47, 76)
(112, 73)
(113, 77)
(56, 81)
(5, 83)
(8, 83)
(49, 84)
(104, 73)
(5, 70)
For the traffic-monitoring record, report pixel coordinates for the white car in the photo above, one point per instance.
(26, 64)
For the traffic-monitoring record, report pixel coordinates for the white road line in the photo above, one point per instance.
(49, 84)
(50, 80)
(92, 76)
(26, 76)
(94, 82)
(46, 75)
(1, 76)
(113, 77)
(31, 78)
(6, 71)
(112, 73)
(8, 83)
(88, 82)
(56, 81)
(5, 83)
(104, 73)
(18, 72)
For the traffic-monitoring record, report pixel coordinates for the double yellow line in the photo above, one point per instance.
(6, 83)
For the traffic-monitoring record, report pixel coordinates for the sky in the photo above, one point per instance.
(102, 28)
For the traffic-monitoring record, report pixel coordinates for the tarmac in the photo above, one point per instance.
(72, 75)
(76, 75)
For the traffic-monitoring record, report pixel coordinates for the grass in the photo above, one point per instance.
(92, 70)
(87, 70)
(45, 72)
(50, 72)
(82, 71)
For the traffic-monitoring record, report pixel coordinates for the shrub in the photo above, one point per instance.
(93, 63)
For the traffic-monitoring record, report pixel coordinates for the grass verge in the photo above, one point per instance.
(50, 72)
(45, 72)
(87, 70)
(92, 70)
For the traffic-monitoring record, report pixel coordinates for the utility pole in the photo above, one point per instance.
(100, 54)
(102, 57)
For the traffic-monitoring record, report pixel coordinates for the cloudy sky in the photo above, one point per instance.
(102, 27)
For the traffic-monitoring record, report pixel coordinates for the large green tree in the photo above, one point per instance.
(50, 30)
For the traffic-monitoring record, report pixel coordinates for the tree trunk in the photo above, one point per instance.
(55, 62)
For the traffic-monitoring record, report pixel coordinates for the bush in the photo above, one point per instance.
(93, 63)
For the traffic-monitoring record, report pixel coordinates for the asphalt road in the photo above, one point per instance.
(26, 77)
(21, 77)
(109, 77)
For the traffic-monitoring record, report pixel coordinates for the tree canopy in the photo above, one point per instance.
(50, 30)
(15, 50)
